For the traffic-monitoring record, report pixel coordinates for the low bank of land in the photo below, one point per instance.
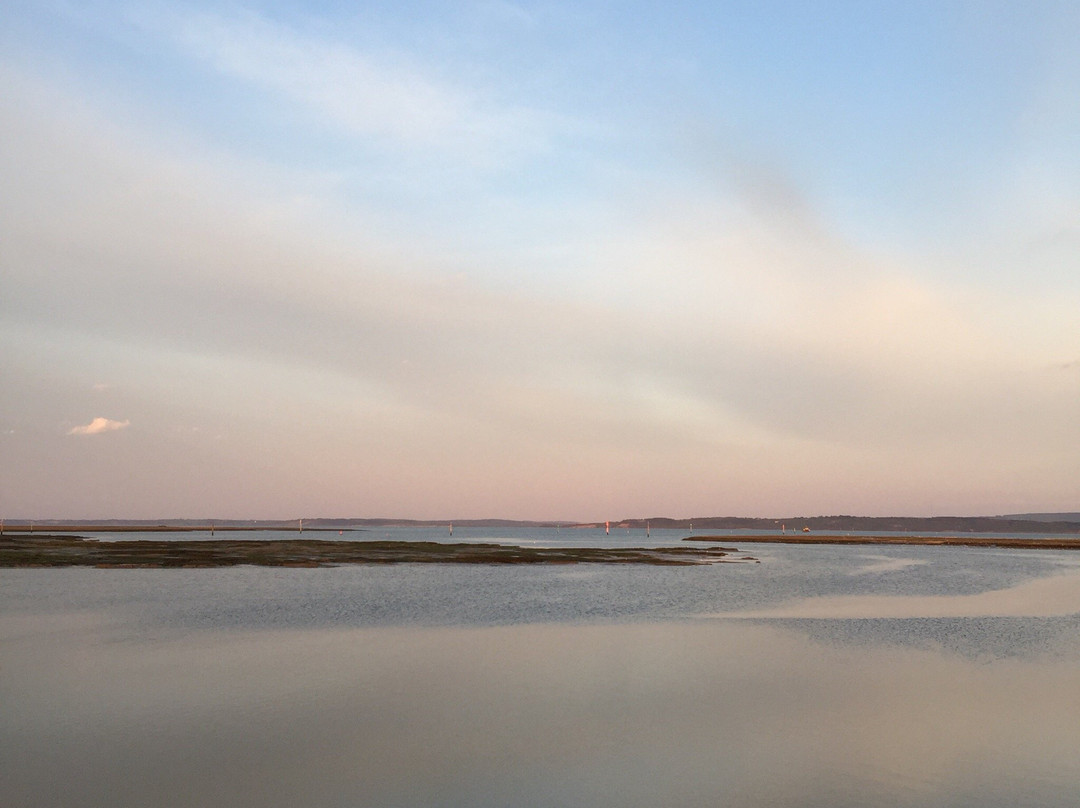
(71, 551)
(1055, 543)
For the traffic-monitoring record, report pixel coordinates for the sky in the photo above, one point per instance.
(582, 260)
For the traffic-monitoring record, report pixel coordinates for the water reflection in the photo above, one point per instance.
(1052, 596)
(688, 713)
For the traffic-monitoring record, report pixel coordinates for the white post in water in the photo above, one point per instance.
(301, 525)
(451, 528)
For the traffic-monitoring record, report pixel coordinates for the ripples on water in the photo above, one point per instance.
(443, 685)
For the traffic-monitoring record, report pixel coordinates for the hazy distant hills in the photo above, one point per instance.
(1011, 523)
(1045, 517)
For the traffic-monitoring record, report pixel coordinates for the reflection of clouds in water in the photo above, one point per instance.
(701, 713)
(1067, 558)
(887, 564)
(1055, 596)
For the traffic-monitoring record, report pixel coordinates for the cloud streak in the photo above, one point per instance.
(393, 99)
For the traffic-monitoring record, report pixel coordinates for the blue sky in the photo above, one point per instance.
(582, 260)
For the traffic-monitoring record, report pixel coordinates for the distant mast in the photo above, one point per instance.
(301, 525)
(607, 528)
(451, 528)
(648, 532)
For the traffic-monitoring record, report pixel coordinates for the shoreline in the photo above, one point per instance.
(916, 541)
(46, 550)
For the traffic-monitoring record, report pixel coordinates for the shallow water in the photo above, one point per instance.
(606, 685)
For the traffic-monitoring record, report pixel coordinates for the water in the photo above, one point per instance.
(824, 676)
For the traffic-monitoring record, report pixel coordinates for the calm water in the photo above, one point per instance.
(823, 676)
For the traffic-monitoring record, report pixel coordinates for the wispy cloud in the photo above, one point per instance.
(388, 96)
(99, 425)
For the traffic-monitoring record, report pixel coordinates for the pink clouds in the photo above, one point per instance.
(99, 425)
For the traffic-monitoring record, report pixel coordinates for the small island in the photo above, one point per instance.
(41, 550)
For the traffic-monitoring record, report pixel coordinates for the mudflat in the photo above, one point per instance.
(41, 550)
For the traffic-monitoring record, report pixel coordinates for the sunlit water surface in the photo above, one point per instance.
(863, 676)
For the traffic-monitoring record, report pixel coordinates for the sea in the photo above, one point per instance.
(803, 675)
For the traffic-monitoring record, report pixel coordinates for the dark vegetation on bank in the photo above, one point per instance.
(42, 550)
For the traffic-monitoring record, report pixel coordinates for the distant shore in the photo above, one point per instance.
(921, 541)
(1032, 523)
(45, 550)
